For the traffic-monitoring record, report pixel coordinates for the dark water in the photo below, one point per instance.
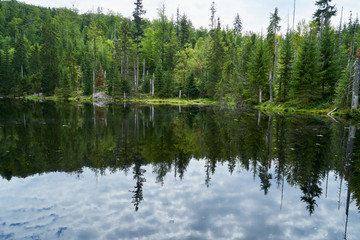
(126, 172)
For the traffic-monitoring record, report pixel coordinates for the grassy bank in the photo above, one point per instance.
(140, 99)
(267, 107)
(172, 101)
(318, 110)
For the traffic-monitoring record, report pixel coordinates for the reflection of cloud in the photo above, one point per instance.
(58, 205)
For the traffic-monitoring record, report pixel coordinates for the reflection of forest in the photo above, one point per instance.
(45, 137)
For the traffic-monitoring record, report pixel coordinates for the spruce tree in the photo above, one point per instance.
(49, 57)
(285, 69)
(139, 32)
(215, 59)
(324, 12)
(191, 90)
(306, 80)
(329, 65)
(258, 73)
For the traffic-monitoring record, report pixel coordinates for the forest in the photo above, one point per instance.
(61, 52)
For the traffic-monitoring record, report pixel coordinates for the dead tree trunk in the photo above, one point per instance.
(260, 95)
(153, 84)
(355, 92)
(143, 72)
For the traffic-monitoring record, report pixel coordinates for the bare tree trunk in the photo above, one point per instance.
(150, 86)
(259, 117)
(342, 8)
(349, 155)
(269, 140)
(22, 72)
(144, 71)
(271, 87)
(293, 27)
(78, 83)
(153, 84)
(351, 63)
(180, 93)
(135, 85)
(93, 84)
(355, 92)
(136, 73)
(260, 95)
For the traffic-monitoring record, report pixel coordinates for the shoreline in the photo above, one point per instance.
(147, 100)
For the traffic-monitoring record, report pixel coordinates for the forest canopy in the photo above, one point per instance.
(61, 52)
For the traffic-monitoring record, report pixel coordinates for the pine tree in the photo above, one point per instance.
(49, 57)
(324, 12)
(237, 25)
(215, 59)
(139, 32)
(117, 90)
(184, 31)
(258, 73)
(306, 80)
(191, 90)
(329, 65)
(285, 70)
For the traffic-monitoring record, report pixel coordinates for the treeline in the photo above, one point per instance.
(58, 51)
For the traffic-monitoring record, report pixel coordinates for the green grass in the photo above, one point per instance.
(139, 98)
(171, 101)
(321, 109)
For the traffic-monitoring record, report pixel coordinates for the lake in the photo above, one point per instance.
(73, 171)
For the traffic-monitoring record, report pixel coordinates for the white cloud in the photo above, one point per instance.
(59, 205)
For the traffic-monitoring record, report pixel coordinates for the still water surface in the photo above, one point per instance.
(126, 172)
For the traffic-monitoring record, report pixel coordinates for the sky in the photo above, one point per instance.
(254, 14)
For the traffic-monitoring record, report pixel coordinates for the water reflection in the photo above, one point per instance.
(277, 151)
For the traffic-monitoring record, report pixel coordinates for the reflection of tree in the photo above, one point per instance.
(265, 178)
(139, 177)
(183, 145)
(311, 190)
(280, 153)
(264, 174)
(60, 137)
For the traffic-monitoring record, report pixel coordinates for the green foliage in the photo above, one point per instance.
(258, 73)
(45, 49)
(330, 70)
(214, 64)
(191, 90)
(305, 85)
(49, 57)
(285, 68)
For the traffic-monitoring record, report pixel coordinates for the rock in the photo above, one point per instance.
(101, 99)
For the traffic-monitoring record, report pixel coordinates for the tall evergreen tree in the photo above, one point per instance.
(324, 12)
(184, 30)
(285, 70)
(214, 64)
(49, 57)
(258, 73)
(329, 63)
(237, 25)
(306, 80)
(139, 32)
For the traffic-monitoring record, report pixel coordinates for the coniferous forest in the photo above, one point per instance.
(64, 53)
